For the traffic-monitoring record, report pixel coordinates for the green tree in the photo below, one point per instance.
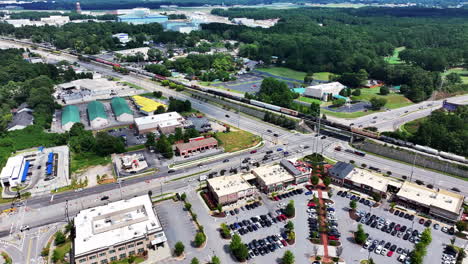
(289, 226)
(219, 207)
(315, 180)
(160, 110)
(215, 260)
(290, 210)
(384, 90)
(357, 92)
(377, 103)
(188, 206)
(164, 147)
(225, 232)
(59, 238)
(326, 180)
(461, 226)
(108, 144)
(315, 109)
(353, 205)
(377, 197)
(360, 236)
(183, 197)
(195, 261)
(179, 248)
(150, 140)
(238, 249)
(288, 257)
(309, 78)
(200, 238)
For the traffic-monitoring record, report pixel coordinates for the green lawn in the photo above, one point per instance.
(84, 160)
(309, 100)
(237, 140)
(412, 127)
(323, 76)
(284, 72)
(346, 115)
(136, 147)
(4, 200)
(462, 72)
(133, 85)
(62, 250)
(395, 59)
(138, 259)
(394, 100)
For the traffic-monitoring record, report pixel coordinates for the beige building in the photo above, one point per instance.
(273, 178)
(370, 182)
(229, 189)
(441, 204)
(164, 123)
(117, 230)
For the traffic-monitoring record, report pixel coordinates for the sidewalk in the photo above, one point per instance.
(323, 224)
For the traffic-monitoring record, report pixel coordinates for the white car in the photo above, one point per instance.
(378, 250)
(24, 228)
(401, 258)
(384, 252)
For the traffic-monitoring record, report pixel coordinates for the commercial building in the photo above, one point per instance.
(22, 117)
(55, 20)
(145, 105)
(132, 163)
(441, 204)
(123, 37)
(164, 123)
(117, 230)
(273, 178)
(345, 174)
(196, 145)
(122, 112)
(70, 116)
(226, 190)
(323, 91)
(133, 52)
(97, 114)
(182, 26)
(297, 169)
(340, 171)
(15, 171)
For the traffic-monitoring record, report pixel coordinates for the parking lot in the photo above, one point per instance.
(398, 232)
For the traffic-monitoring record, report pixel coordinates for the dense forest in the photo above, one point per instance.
(352, 41)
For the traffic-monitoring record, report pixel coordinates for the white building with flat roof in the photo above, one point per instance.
(166, 122)
(123, 37)
(321, 91)
(273, 178)
(13, 171)
(441, 204)
(117, 230)
(229, 189)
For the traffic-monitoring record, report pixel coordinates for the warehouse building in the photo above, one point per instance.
(70, 116)
(97, 115)
(146, 105)
(142, 16)
(122, 112)
(226, 190)
(123, 37)
(165, 123)
(441, 204)
(196, 145)
(323, 91)
(22, 117)
(116, 231)
(273, 178)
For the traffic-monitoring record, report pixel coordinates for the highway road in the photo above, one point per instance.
(47, 209)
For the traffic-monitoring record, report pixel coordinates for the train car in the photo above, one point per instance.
(426, 149)
(265, 105)
(367, 133)
(452, 156)
(289, 111)
(159, 77)
(359, 153)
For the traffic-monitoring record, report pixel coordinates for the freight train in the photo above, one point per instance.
(286, 111)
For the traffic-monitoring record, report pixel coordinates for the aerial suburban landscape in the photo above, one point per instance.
(236, 131)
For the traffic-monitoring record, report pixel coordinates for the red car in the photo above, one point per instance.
(284, 242)
(421, 221)
(253, 151)
(309, 187)
(311, 204)
(390, 253)
(333, 238)
(276, 198)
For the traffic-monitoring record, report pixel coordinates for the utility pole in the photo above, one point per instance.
(118, 179)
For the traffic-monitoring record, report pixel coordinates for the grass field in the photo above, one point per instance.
(462, 72)
(84, 160)
(395, 59)
(309, 100)
(284, 72)
(412, 127)
(346, 115)
(394, 100)
(133, 85)
(322, 76)
(62, 250)
(237, 140)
